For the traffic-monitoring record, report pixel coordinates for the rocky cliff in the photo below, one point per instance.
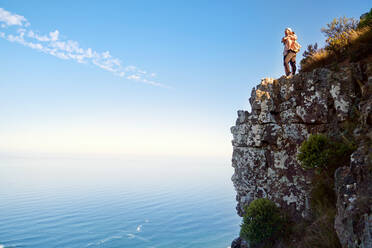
(284, 112)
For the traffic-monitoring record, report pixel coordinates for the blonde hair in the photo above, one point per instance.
(290, 30)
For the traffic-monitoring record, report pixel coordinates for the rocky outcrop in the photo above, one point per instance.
(239, 243)
(284, 112)
(353, 222)
(353, 183)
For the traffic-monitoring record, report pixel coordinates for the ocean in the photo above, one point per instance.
(139, 203)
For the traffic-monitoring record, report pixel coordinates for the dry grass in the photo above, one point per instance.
(320, 59)
(357, 47)
(321, 233)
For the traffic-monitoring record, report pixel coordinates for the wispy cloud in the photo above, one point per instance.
(10, 19)
(54, 45)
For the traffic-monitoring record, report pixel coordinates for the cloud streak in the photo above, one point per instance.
(15, 28)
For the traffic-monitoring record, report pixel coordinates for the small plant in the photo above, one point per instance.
(320, 153)
(311, 50)
(314, 152)
(262, 222)
(308, 54)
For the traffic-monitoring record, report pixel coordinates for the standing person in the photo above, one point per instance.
(291, 48)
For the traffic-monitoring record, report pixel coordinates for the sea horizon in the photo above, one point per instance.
(112, 203)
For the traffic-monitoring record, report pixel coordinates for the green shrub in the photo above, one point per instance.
(320, 153)
(262, 222)
(314, 152)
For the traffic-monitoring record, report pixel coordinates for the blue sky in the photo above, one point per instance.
(175, 74)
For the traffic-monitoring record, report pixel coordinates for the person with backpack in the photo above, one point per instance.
(291, 48)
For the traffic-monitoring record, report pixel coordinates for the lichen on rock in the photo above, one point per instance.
(284, 112)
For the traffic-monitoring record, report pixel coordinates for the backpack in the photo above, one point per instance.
(296, 46)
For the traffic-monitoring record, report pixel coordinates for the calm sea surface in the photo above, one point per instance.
(80, 203)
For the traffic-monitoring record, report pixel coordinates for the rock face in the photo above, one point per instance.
(353, 183)
(284, 113)
(353, 222)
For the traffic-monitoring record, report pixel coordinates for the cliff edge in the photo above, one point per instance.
(284, 112)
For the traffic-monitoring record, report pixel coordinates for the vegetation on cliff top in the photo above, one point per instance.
(346, 40)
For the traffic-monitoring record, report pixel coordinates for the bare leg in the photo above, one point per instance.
(287, 59)
(286, 67)
(293, 64)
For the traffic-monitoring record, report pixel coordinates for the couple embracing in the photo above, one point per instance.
(291, 48)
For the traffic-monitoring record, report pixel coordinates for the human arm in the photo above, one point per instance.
(292, 37)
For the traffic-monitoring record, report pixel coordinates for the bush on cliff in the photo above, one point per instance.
(262, 222)
(320, 153)
(314, 152)
(338, 33)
